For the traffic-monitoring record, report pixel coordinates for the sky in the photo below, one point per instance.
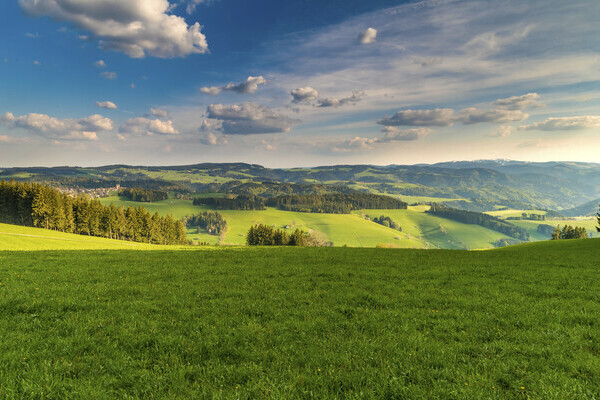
(298, 82)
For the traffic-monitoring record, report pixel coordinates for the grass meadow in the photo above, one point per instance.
(302, 323)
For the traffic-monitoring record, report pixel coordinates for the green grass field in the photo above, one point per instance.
(419, 230)
(302, 323)
(13, 237)
(503, 214)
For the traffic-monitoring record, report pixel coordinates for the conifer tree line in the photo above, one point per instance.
(569, 232)
(241, 202)
(336, 203)
(213, 222)
(33, 204)
(485, 220)
(143, 195)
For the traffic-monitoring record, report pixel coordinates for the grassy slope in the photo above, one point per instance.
(531, 226)
(430, 228)
(297, 323)
(13, 237)
(348, 229)
(514, 213)
(420, 230)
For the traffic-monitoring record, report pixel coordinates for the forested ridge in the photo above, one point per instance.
(487, 221)
(143, 195)
(241, 202)
(335, 203)
(32, 204)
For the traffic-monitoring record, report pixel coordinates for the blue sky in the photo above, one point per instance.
(297, 83)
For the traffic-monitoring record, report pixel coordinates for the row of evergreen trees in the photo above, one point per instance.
(32, 204)
(264, 235)
(569, 232)
(143, 195)
(488, 221)
(240, 202)
(213, 222)
(336, 203)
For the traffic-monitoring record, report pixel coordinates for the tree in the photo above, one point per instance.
(598, 227)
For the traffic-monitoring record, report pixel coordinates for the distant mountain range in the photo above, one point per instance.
(476, 185)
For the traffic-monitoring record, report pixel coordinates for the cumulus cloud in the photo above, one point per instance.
(100, 64)
(335, 102)
(304, 95)
(146, 126)
(135, 27)
(436, 117)
(159, 112)
(393, 133)
(564, 123)
(473, 115)
(502, 131)
(249, 118)
(212, 139)
(54, 128)
(519, 102)
(368, 36)
(109, 75)
(109, 105)
(249, 86)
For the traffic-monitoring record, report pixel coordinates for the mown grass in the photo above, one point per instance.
(302, 323)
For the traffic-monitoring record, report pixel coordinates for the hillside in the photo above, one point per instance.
(478, 185)
(419, 230)
(293, 323)
(21, 238)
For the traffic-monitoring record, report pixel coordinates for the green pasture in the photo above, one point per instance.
(13, 237)
(302, 323)
(440, 232)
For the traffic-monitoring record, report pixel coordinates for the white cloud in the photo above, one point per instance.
(212, 139)
(502, 131)
(519, 102)
(564, 123)
(393, 133)
(135, 27)
(54, 128)
(436, 117)
(249, 118)
(159, 112)
(109, 105)
(368, 36)
(335, 102)
(473, 115)
(32, 35)
(304, 95)
(212, 90)
(100, 64)
(36, 62)
(192, 4)
(249, 86)
(109, 75)
(146, 126)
